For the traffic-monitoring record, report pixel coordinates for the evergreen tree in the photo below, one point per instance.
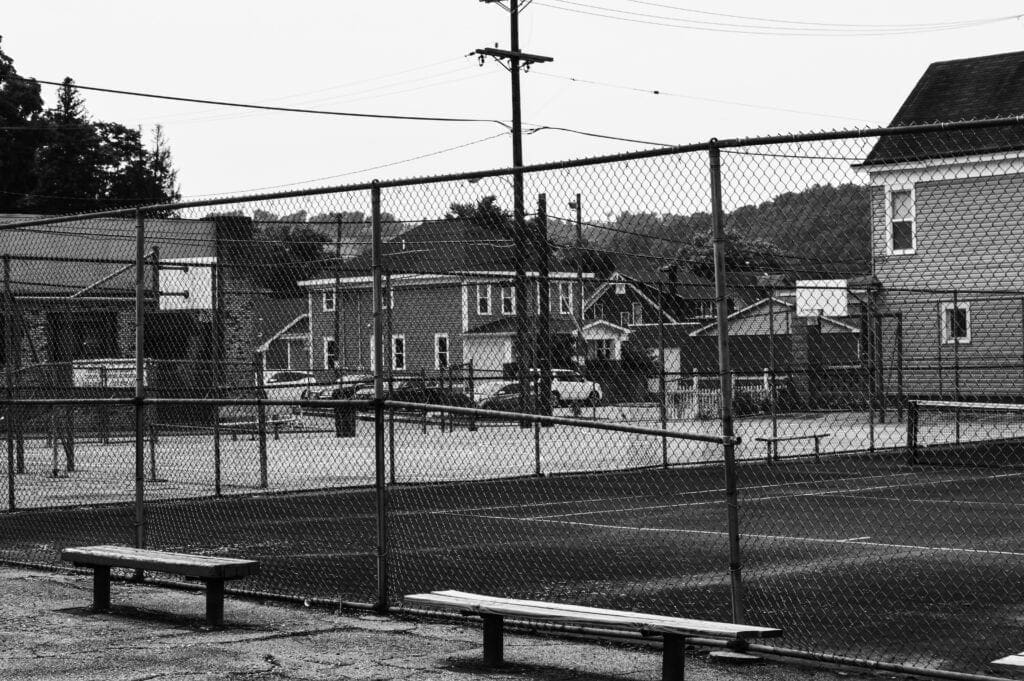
(21, 109)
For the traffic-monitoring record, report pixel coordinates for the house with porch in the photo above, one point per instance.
(947, 241)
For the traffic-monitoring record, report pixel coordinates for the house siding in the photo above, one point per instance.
(419, 312)
(968, 234)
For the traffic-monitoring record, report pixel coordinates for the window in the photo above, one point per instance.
(483, 299)
(902, 235)
(565, 297)
(602, 348)
(625, 318)
(508, 300)
(329, 301)
(638, 313)
(707, 308)
(331, 353)
(398, 352)
(440, 351)
(956, 323)
(620, 289)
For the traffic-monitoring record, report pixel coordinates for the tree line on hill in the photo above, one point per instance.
(60, 160)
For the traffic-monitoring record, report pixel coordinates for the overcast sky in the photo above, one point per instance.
(723, 77)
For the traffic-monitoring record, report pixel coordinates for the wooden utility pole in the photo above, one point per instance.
(516, 61)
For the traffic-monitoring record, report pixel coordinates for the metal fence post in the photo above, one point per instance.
(9, 351)
(261, 419)
(140, 383)
(215, 350)
(725, 381)
(378, 406)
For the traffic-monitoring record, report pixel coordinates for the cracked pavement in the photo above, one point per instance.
(48, 631)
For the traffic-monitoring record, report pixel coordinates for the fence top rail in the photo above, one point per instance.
(561, 420)
(713, 143)
(979, 406)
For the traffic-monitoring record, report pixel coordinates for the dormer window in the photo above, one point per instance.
(902, 234)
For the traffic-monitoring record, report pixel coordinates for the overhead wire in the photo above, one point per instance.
(263, 107)
(721, 27)
(666, 93)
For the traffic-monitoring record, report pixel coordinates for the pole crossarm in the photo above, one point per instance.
(524, 58)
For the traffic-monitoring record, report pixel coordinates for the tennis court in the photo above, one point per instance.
(861, 551)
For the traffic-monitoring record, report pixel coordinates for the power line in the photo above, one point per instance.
(804, 23)
(356, 172)
(542, 128)
(722, 27)
(263, 107)
(666, 93)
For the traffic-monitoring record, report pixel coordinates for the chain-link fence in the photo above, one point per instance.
(453, 382)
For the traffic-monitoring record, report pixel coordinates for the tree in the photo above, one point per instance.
(486, 214)
(67, 164)
(61, 161)
(21, 131)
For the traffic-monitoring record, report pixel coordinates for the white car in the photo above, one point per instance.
(286, 384)
(569, 387)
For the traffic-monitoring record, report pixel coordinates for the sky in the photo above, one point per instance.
(769, 68)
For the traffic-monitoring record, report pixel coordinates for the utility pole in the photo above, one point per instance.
(581, 342)
(517, 60)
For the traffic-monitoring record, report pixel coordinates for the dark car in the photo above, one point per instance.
(506, 398)
(430, 394)
(344, 390)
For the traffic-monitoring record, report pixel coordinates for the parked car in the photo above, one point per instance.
(505, 398)
(345, 389)
(569, 387)
(286, 384)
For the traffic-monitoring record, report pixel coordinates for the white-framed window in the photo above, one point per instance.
(625, 318)
(440, 351)
(330, 353)
(565, 297)
(638, 313)
(483, 299)
(901, 227)
(956, 323)
(602, 348)
(508, 299)
(329, 301)
(620, 288)
(398, 352)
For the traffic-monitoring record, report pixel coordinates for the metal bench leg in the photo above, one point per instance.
(494, 643)
(215, 602)
(672, 657)
(101, 588)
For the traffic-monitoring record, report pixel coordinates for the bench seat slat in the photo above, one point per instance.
(578, 614)
(1011, 660)
(204, 567)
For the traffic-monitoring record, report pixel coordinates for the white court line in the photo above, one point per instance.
(715, 490)
(812, 493)
(777, 537)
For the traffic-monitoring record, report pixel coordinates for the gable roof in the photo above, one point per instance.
(774, 302)
(962, 89)
(275, 316)
(446, 246)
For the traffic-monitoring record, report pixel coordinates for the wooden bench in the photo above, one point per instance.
(1015, 660)
(672, 630)
(773, 443)
(210, 569)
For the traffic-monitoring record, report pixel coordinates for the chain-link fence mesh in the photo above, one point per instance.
(420, 385)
